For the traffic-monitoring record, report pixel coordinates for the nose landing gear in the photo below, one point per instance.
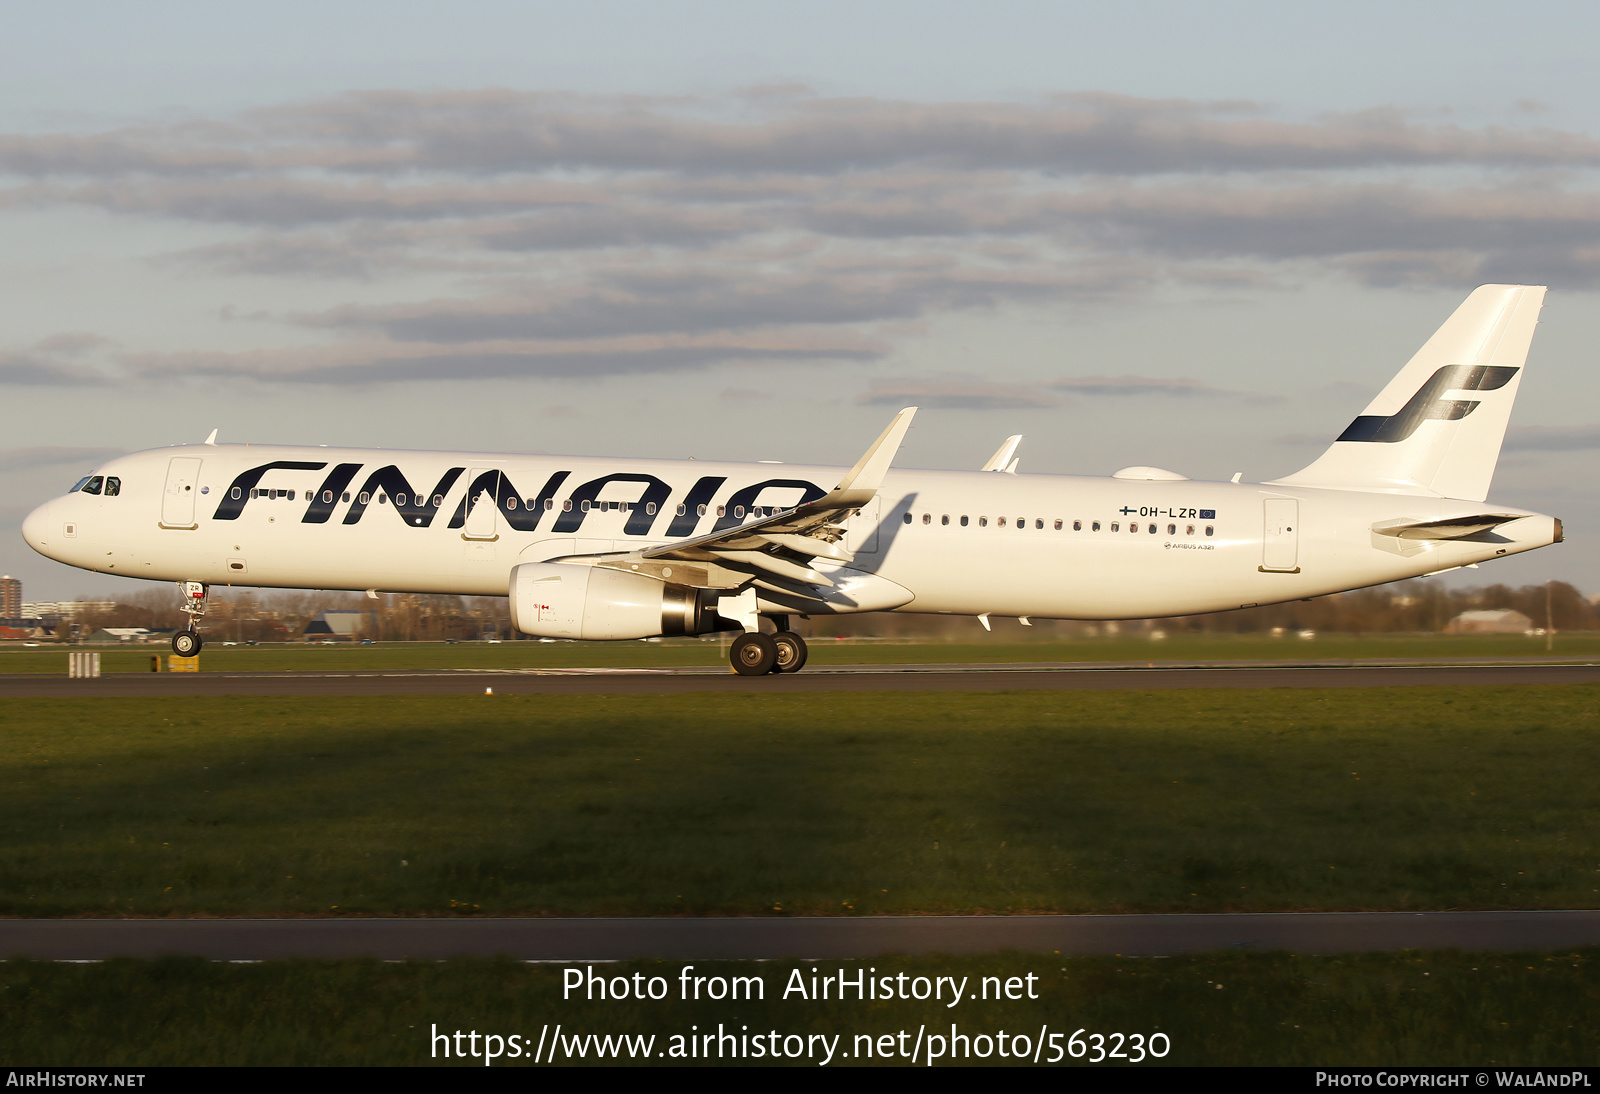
(187, 643)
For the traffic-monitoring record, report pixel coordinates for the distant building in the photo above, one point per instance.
(10, 598)
(337, 626)
(122, 634)
(1501, 621)
(64, 609)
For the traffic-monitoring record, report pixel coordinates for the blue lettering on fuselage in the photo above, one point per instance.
(523, 513)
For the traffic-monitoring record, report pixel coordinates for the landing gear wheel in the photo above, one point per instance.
(186, 644)
(792, 652)
(753, 654)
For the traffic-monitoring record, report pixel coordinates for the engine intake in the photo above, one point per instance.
(560, 600)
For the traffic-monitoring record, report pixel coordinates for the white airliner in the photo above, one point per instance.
(598, 548)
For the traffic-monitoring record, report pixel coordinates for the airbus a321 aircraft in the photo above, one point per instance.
(601, 548)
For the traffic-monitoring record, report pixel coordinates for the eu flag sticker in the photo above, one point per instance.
(1208, 514)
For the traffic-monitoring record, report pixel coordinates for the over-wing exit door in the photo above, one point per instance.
(483, 508)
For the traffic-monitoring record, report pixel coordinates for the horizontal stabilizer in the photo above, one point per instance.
(1449, 528)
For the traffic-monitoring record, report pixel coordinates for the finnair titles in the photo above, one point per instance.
(607, 549)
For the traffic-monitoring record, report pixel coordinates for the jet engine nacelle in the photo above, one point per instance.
(560, 600)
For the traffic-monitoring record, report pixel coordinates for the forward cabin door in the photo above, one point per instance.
(483, 509)
(1280, 549)
(177, 500)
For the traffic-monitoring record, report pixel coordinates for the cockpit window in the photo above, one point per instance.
(113, 486)
(78, 485)
(93, 485)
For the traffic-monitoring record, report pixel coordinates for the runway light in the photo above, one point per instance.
(488, 691)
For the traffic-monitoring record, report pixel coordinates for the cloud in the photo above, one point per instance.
(565, 235)
(957, 392)
(37, 370)
(1552, 438)
(1137, 385)
(377, 362)
(28, 459)
(496, 132)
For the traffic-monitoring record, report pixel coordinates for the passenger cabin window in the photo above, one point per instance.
(1152, 529)
(650, 508)
(722, 510)
(566, 505)
(1172, 529)
(364, 498)
(945, 519)
(345, 496)
(963, 520)
(438, 500)
(907, 520)
(927, 518)
(1001, 521)
(1189, 530)
(1040, 524)
(236, 493)
(1208, 529)
(983, 522)
(1095, 527)
(1115, 527)
(1058, 526)
(113, 486)
(1077, 526)
(699, 510)
(1134, 527)
(93, 485)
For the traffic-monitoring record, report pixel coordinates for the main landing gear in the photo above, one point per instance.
(187, 643)
(757, 654)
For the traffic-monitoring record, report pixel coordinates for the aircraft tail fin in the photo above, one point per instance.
(1436, 429)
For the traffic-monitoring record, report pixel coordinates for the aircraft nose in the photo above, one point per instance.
(37, 528)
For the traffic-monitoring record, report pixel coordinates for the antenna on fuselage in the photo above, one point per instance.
(213, 438)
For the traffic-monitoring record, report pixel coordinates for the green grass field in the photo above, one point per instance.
(996, 648)
(1391, 1010)
(1210, 800)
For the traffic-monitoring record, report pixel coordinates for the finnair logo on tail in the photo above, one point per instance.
(1429, 403)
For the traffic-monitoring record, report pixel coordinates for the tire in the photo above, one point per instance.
(792, 652)
(753, 654)
(186, 644)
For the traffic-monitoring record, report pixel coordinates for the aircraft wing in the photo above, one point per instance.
(782, 546)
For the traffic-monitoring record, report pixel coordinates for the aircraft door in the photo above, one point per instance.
(861, 534)
(483, 510)
(177, 500)
(1280, 549)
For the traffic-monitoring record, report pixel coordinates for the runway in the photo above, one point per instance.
(931, 677)
(771, 938)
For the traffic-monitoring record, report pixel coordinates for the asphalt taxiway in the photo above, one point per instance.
(776, 937)
(933, 677)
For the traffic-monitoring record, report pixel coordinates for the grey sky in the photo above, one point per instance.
(1193, 235)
